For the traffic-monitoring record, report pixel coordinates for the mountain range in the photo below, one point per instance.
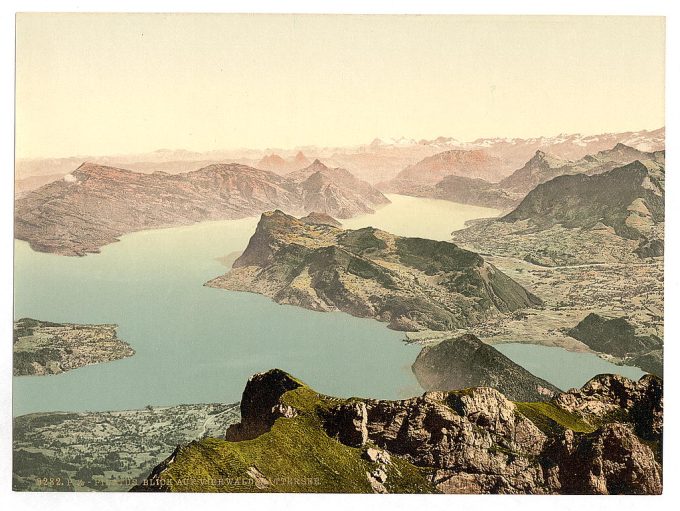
(94, 205)
(378, 161)
(335, 191)
(277, 164)
(450, 175)
(431, 170)
(544, 167)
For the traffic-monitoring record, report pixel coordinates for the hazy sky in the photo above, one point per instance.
(120, 83)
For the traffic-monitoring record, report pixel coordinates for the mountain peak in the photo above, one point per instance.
(316, 166)
(547, 159)
(272, 160)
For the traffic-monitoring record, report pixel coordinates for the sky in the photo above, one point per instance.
(104, 84)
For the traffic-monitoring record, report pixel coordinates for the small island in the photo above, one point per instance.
(42, 347)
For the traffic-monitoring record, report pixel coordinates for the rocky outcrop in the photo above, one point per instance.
(463, 362)
(95, 204)
(410, 283)
(261, 404)
(612, 396)
(478, 441)
(348, 423)
(470, 441)
(611, 460)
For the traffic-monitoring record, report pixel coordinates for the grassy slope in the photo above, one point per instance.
(550, 418)
(297, 451)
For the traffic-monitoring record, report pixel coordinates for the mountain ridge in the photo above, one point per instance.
(604, 438)
(410, 283)
(94, 205)
(615, 198)
(466, 186)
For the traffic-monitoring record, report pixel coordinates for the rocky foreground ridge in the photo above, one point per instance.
(95, 204)
(604, 438)
(410, 283)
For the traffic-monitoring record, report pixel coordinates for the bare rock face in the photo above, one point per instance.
(477, 441)
(640, 402)
(459, 434)
(612, 460)
(348, 424)
(261, 404)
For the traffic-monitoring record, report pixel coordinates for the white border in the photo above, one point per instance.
(103, 502)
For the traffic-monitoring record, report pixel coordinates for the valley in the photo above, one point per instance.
(106, 451)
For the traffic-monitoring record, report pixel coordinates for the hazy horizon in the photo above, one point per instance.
(303, 147)
(116, 84)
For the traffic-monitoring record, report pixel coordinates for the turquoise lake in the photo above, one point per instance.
(564, 369)
(196, 344)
